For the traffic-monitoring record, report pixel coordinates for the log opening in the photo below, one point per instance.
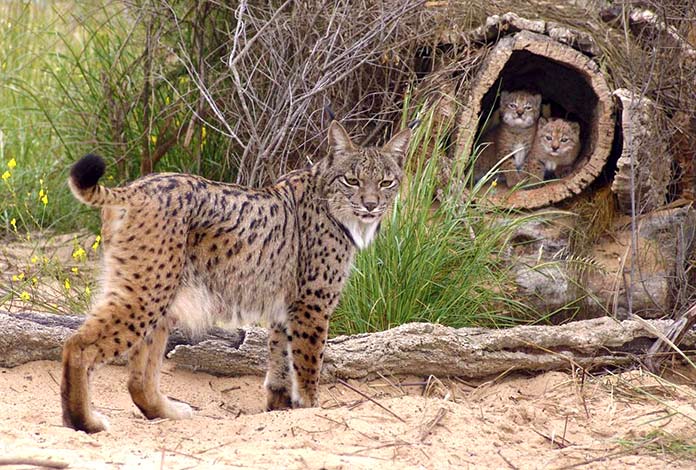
(572, 87)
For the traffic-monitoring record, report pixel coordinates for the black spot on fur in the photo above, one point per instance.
(85, 173)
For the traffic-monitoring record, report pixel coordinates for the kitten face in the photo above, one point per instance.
(520, 108)
(559, 140)
(360, 183)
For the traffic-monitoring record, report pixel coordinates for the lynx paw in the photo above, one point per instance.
(277, 399)
(176, 410)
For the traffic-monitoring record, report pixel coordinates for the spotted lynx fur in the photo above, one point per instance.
(556, 147)
(512, 139)
(182, 250)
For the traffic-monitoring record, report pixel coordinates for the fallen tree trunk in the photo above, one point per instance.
(415, 348)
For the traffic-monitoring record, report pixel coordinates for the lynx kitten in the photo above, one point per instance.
(556, 146)
(512, 138)
(187, 251)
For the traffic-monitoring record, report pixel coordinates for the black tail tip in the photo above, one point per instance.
(85, 173)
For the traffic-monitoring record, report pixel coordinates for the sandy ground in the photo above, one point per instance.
(552, 420)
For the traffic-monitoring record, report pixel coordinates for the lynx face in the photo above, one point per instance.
(520, 108)
(361, 182)
(559, 141)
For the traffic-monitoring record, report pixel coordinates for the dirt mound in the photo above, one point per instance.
(552, 420)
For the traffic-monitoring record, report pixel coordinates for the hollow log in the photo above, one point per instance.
(569, 81)
(415, 348)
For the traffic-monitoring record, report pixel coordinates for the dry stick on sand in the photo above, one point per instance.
(611, 455)
(33, 462)
(510, 464)
(346, 384)
(431, 424)
(559, 441)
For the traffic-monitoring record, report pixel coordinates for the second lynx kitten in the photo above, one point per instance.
(556, 146)
(512, 138)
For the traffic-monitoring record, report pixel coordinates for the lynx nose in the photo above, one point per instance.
(369, 205)
(520, 111)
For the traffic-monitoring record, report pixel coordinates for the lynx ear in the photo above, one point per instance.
(398, 145)
(542, 122)
(504, 95)
(575, 127)
(339, 140)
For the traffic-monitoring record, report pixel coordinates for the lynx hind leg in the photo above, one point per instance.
(145, 363)
(99, 339)
(278, 382)
(136, 299)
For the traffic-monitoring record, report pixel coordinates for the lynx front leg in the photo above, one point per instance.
(309, 330)
(277, 382)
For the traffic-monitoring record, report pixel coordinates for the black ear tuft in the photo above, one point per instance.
(85, 173)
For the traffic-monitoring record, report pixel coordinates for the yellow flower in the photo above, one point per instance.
(41, 182)
(97, 240)
(34, 281)
(88, 291)
(204, 131)
(41, 193)
(25, 296)
(34, 259)
(75, 270)
(13, 222)
(494, 183)
(6, 175)
(44, 200)
(12, 164)
(153, 139)
(166, 100)
(66, 284)
(18, 277)
(79, 254)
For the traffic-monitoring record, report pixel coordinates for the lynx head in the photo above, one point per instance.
(559, 140)
(520, 108)
(360, 183)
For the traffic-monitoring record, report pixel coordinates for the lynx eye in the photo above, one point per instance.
(564, 139)
(547, 137)
(511, 105)
(350, 181)
(384, 184)
(527, 107)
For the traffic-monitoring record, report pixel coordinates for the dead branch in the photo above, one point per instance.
(415, 348)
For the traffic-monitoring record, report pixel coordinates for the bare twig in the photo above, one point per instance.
(33, 462)
(427, 429)
(362, 394)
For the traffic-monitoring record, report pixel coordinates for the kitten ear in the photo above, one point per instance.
(542, 122)
(575, 127)
(339, 140)
(504, 95)
(398, 145)
(537, 99)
